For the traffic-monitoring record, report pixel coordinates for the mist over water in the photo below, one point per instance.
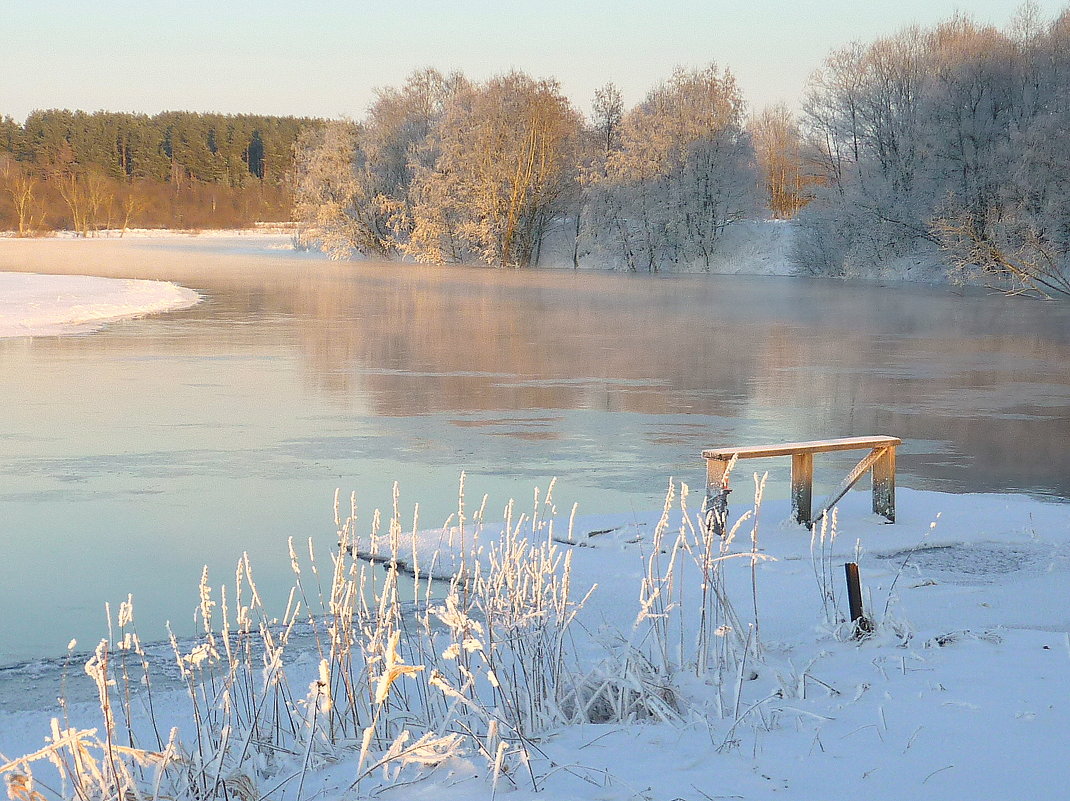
(135, 455)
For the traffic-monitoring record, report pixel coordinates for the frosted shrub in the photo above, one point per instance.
(639, 678)
(476, 672)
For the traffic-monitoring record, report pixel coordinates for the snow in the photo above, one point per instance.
(755, 247)
(40, 305)
(265, 229)
(962, 692)
(750, 247)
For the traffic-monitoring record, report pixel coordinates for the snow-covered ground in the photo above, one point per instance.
(38, 305)
(261, 229)
(756, 247)
(961, 692)
(751, 247)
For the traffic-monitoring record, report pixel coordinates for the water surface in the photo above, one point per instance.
(132, 456)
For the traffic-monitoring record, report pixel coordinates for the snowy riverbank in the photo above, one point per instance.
(761, 247)
(40, 305)
(260, 230)
(962, 692)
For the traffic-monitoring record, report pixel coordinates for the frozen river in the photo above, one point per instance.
(132, 456)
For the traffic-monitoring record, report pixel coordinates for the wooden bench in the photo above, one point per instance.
(880, 461)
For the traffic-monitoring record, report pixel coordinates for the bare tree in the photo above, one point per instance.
(99, 199)
(778, 150)
(72, 189)
(133, 203)
(20, 184)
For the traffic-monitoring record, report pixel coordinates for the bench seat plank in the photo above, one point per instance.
(790, 448)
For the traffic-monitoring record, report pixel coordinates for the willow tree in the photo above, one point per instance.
(506, 170)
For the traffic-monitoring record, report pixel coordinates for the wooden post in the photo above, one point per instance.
(717, 495)
(884, 485)
(854, 600)
(715, 470)
(802, 486)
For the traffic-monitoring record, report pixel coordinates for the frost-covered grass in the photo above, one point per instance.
(637, 656)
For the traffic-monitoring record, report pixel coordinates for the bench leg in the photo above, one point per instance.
(802, 486)
(715, 470)
(884, 485)
(716, 495)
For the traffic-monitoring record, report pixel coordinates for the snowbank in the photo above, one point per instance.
(750, 247)
(40, 305)
(962, 692)
(261, 230)
(755, 247)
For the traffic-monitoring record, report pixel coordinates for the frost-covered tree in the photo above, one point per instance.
(400, 139)
(608, 108)
(1014, 227)
(352, 188)
(948, 143)
(682, 173)
(506, 168)
(862, 111)
(450, 171)
(332, 204)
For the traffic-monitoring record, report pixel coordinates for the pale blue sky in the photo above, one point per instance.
(325, 57)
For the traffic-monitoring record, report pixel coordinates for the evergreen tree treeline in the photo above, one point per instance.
(87, 170)
(229, 149)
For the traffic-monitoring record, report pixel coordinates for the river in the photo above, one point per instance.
(132, 456)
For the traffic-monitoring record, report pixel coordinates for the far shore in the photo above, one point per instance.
(750, 248)
(154, 254)
(754, 247)
(260, 229)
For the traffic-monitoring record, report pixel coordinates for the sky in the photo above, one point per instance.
(325, 58)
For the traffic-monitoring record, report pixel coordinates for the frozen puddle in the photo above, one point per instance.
(982, 562)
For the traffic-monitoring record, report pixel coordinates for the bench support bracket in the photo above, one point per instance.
(883, 487)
